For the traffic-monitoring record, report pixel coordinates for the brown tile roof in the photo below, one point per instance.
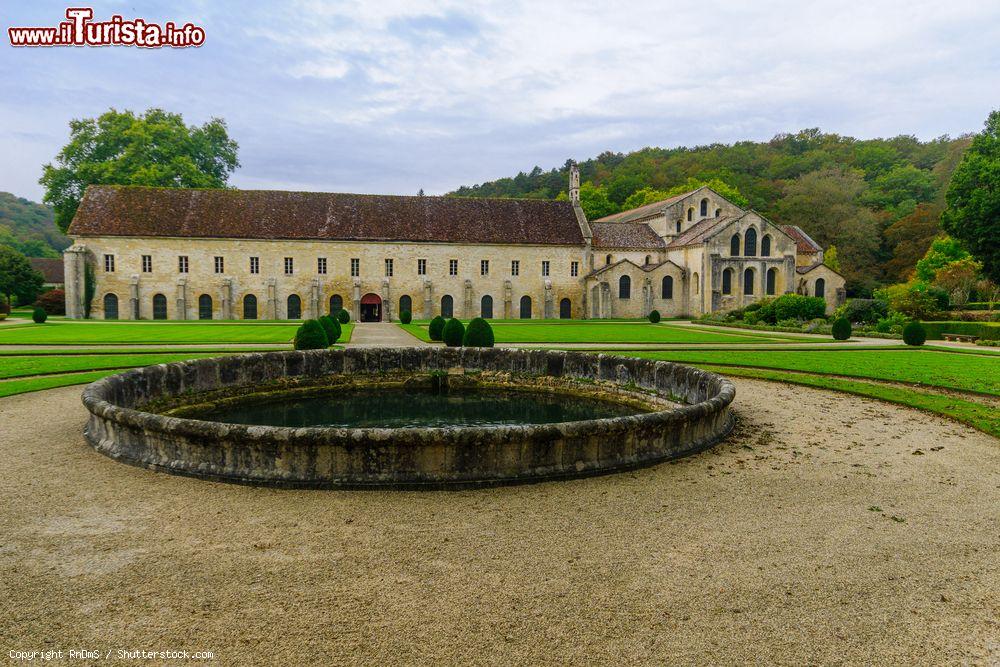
(51, 269)
(803, 243)
(636, 235)
(647, 209)
(699, 231)
(272, 214)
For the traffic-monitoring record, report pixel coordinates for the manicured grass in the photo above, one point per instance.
(982, 417)
(167, 349)
(110, 333)
(576, 331)
(964, 372)
(12, 367)
(12, 387)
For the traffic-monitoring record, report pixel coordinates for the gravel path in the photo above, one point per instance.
(817, 534)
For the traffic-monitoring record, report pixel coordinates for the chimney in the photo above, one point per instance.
(574, 183)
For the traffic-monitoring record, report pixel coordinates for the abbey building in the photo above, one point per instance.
(181, 254)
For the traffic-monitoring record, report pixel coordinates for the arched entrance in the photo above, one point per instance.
(371, 308)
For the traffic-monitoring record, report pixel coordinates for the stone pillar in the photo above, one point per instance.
(386, 301)
(314, 298)
(272, 299)
(788, 267)
(428, 300)
(547, 309)
(74, 268)
(506, 299)
(647, 295)
(133, 298)
(356, 306)
(182, 298)
(467, 300)
(227, 299)
(584, 301)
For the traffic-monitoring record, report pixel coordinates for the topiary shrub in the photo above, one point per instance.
(53, 301)
(436, 328)
(654, 316)
(453, 333)
(406, 317)
(841, 328)
(39, 315)
(914, 333)
(479, 333)
(343, 316)
(331, 327)
(311, 336)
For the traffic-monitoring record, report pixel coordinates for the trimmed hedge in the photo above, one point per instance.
(841, 329)
(406, 317)
(343, 316)
(331, 327)
(39, 315)
(436, 328)
(914, 333)
(311, 336)
(479, 333)
(453, 333)
(654, 316)
(985, 330)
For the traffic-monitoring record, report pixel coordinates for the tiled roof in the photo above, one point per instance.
(636, 235)
(273, 214)
(698, 232)
(647, 209)
(51, 269)
(803, 243)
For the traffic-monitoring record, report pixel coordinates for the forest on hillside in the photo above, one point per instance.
(29, 227)
(879, 201)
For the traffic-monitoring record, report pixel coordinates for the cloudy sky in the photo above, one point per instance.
(396, 95)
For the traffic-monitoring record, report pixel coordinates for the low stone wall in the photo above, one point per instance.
(406, 457)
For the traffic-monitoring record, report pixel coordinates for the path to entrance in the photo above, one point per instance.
(382, 334)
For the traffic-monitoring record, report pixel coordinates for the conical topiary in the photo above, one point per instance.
(406, 317)
(311, 336)
(914, 333)
(479, 333)
(343, 316)
(436, 328)
(841, 328)
(331, 327)
(453, 333)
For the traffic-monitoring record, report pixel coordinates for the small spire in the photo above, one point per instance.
(574, 183)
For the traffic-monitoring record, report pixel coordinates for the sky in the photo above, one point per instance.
(394, 96)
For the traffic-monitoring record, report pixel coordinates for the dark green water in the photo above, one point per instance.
(397, 408)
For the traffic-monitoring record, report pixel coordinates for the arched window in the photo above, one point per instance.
(734, 245)
(204, 307)
(294, 307)
(750, 242)
(821, 288)
(565, 309)
(336, 304)
(447, 306)
(718, 212)
(748, 281)
(249, 307)
(405, 304)
(647, 260)
(678, 226)
(624, 287)
(607, 260)
(772, 279)
(697, 283)
(727, 281)
(111, 306)
(486, 307)
(765, 246)
(690, 214)
(525, 307)
(667, 288)
(159, 307)
(704, 208)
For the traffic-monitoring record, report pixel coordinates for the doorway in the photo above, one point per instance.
(371, 308)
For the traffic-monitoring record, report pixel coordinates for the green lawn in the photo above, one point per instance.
(71, 332)
(576, 331)
(12, 387)
(12, 367)
(964, 372)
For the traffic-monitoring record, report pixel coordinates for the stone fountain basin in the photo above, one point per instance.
(689, 410)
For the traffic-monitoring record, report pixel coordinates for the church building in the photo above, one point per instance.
(182, 254)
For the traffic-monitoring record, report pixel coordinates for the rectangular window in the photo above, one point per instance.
(388, 268)
(220, 265)
(515, 267)
(574, 269)
(321, 265)
(255, 265)
(182, 264)
(355, 267)
(484, 267)
(109, 263)
(545, 268)
(289, 266)
(147, 263)
(421, 267)
(452, 267)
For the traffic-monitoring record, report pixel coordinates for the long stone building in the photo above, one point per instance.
(181, 254)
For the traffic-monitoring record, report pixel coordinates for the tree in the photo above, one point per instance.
(594, 201)
(720, 186)
(909, 238)
(831, 259)
(944, 250)
(121, 148)
(957, 279)
(17, 278)
(643, 197)
(973, 199)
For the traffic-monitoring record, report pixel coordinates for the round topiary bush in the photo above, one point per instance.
(39, 315)
(406, 317)
(453, 333)
(436, 328)
(479, 333)
(331, 327)
(654, 316)
(914, 333)
(841, 328)
(311, 336)
(343, 316)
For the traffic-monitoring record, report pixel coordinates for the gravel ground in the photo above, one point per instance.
(817, 534)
